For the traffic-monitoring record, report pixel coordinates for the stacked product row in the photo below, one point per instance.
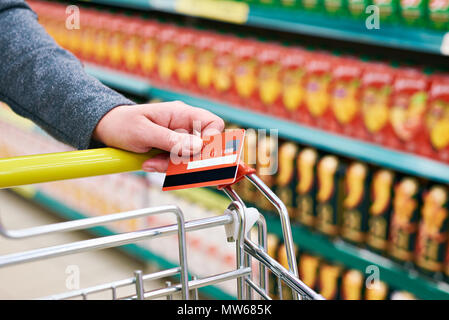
(401, 217)
(397, 107)
(422, 13)
(331, 280)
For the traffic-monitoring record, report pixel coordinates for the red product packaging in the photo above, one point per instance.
(317, 93)
(223, 67)
(376, 95)
(87, 33)
(148, 48)
(167, 48)
(132, 44)
(186, 58)
(293, 87)
(437, 118)
(269, 83)
(205, 44)
(116, 41)
(245, 73)
(345, 98)
(408, 109)
(100, 23)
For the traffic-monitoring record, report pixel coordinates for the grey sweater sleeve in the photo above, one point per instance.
(47, 84)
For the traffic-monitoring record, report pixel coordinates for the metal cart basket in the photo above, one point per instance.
(237, 220)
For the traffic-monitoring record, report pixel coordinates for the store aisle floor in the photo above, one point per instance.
(42, 278)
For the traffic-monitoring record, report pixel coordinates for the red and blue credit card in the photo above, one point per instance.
(216, 164)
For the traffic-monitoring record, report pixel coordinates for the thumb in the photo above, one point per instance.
(172, 141)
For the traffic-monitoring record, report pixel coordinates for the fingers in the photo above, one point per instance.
(156, 136)
(178, 115)
(157, 164)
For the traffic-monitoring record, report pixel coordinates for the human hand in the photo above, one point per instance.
(139, 128)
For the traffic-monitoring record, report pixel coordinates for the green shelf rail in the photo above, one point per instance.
(301, 22)
(137, 251)
(328, 142)
(338, 251)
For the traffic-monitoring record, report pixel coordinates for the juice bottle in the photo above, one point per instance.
(329, 195)
(352, 285)
(354, 224)
(269, 77)
(437, 118)
(308, 270)
(408, 109)
(404, 219)
(345, 98)
(166, 62)
(149, 48)
(101, 38)
(267, 165)
(132, 44)
(306, 187)
(117, 26)
(223, 67)
(292, 78)
(433, 230)
(388, 10)
(186, 58)
(329, 281)
(357, 8)
(379, 212)
(245, 73)
(377, 291)
(414, 12)
(205, 44)
(88, 35)
(438, 11)
(317, 94)
(376, 99)
(286, 177)
(312, 5)
(335, 7)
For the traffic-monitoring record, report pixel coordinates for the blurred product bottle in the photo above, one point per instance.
(354, 224)
(329, 195)
(352, 285)
(438, 11)
(437, 120)
(433, 230)
(329, 281)
(286, 176)
(377, 290)
(376, 95)
(306, 187)
(381, 194)
(404, 220)
(414, 12)
(293, 87)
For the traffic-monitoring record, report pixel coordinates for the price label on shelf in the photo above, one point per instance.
(445, 45)
(224, 10)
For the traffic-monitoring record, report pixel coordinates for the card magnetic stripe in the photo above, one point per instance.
(200, 176)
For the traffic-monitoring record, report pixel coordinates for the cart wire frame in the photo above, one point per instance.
(235, 217)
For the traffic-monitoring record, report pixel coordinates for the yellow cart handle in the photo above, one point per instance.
(40, 168)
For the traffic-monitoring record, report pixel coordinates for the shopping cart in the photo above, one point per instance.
(237, 220)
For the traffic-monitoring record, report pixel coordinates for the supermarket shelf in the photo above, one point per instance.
(134, 250)
(296, 21)
(348, 255)
(371, 153)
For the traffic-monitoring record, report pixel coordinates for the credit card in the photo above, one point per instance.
(216, 164)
